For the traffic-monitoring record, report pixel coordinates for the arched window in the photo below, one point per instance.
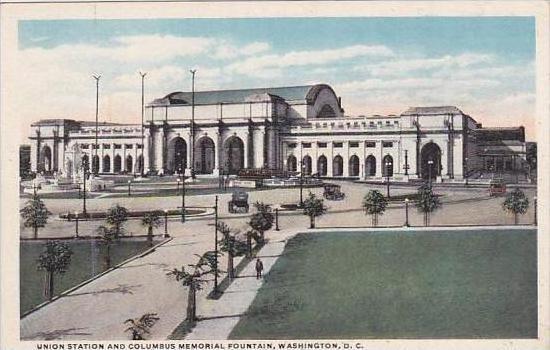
(106, 164)
(117, 164)
(354, 166)
(306, 162)
(337, 166)
(291, 163)
(129, 164)
(322, 166)
(326, 112)
(387, 166)
(233, 151)
(370, 166)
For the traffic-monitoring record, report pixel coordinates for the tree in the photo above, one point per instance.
(55, 259)
(231, 245)
(313, 207)
(516, 202)
(262, 219)
(427, 202)
(141, 326)
(251, 235)
(35, 214)
(375, 204)
(151, 220)
(107, 237)
(116, 216)
(194, 277)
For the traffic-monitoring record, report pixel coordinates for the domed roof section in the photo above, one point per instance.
(305, 93)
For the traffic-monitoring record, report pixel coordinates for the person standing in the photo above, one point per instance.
(259, 268)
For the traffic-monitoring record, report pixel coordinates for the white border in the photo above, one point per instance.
(10, 127)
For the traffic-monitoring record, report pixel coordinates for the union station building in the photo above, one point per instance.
(298, 128)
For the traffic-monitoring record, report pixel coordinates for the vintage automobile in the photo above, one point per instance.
(332, 192)
(497, 187)
(238, 202)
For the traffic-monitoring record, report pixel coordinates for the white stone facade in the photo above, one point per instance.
(284, 129)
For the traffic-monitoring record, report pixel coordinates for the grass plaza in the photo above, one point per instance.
(399, 284)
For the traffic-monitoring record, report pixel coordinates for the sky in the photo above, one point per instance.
(483, 65)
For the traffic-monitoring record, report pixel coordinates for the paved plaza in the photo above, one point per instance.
(142, 285)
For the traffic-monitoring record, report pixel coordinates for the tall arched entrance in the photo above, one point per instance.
(46, 158)
(430, 161)
(291, 163)
(337, 166)
(205, 152)
(139, 164)
(387, 166)
(95, 164)
(233, 151)
(85, 163)
(129, 164)
(353, 166)
(106, 164)
(177, 155)
(306, 163)
(117, 164)
(322, 166)
(370, 166)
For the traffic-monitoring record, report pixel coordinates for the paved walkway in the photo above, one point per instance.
(97, 310)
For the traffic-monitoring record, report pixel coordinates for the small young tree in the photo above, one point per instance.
(55, 259)
(251, 235)
(516, 202)
(375, 204)
(141, 326)
(313, 207)
(116, 216)
(427, 202)
(231, 245)
(35, 214)
(107, 237)
(194, 277)
(151, 220)
(262, 219)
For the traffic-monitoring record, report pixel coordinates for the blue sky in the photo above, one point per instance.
(484, 65)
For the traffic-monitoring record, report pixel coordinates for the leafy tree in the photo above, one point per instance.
(116, 216)
(516, 202)
(141, 326)
(313, 207)
(194, 277)
(262, 220)
(35, 214)
(151, 220)
(54, 259)
(427, 202)
(107, 237)
(375, 204)
(231, 245)
(251, 235)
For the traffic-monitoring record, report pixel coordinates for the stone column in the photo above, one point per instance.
(362, 155)
(218, 153)
(190, 149)
(380, 160)
(123, 160)
(112, 158)
(246, 150)
(314, 157)
(346, 158)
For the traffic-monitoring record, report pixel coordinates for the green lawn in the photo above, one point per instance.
(87, 261)
(454, 284)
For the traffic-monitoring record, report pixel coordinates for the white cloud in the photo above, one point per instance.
(252, 65)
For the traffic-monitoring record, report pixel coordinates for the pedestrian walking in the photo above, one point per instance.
(259, 268)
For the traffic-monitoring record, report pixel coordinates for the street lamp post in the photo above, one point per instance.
(76, 224)
(407, 212)
(178, 186)
(216, 245)
(165, 222)
(95, 168)
(430, 163)
(193, 71)
(84, 212)
(388, 164)
(183, 199)
(535, 208)
(276, 219)
(142, 74)
(466, 175)
(302, 167)
(129, 188)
